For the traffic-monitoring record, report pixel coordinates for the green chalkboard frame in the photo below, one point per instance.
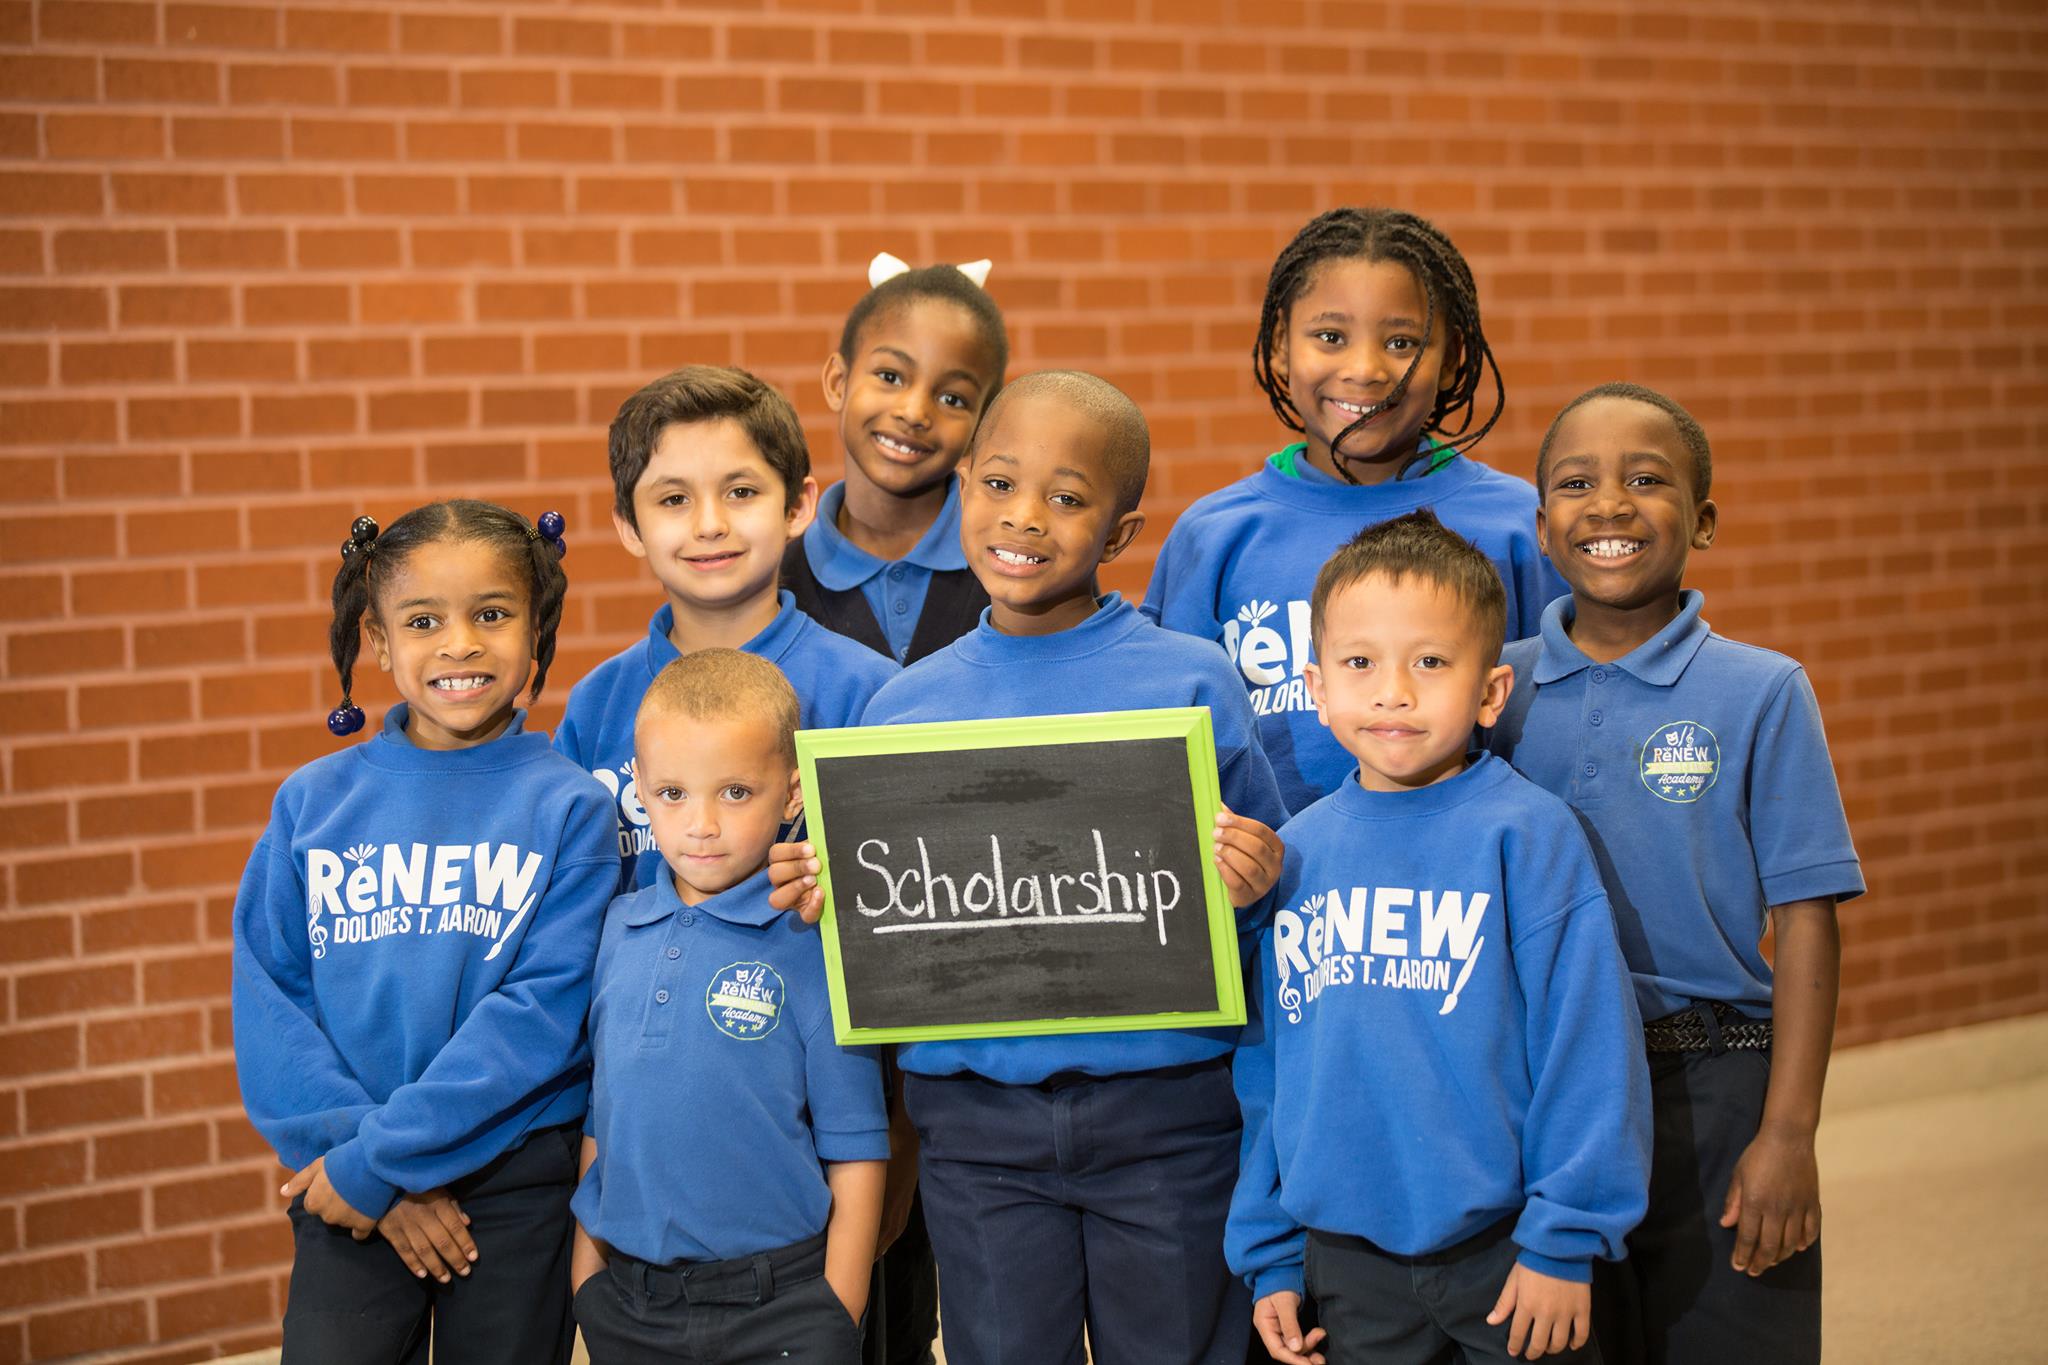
(1187, 723)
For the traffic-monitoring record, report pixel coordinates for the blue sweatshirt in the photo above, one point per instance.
(833, 677)
(412, 950)
(1240, 565)
(1116, 660)
(719, 1091)
(1442, 1036)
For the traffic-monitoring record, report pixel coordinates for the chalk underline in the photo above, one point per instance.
(1013, 922)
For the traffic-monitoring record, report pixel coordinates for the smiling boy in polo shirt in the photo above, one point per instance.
(1700, 770)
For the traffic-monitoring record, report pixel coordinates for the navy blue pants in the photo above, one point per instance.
(1384, 1309)
(1096, 1201)
(355, 1303)
(1676, 1300)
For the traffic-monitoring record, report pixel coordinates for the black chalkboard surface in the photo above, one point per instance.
(996, 878)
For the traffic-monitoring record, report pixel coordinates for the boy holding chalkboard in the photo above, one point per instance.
(734, 1155)
(1080, 1179)
(1441, 1084)
(711, 481)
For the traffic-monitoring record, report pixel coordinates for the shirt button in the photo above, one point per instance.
(900, 606)
(1599, 675)
(1591, 769)
(1595, 718)
(896, 572)
(689, 919)
(674, 953)
(661, 997)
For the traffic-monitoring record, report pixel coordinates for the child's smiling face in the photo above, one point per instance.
(716, 792)
(1404, 676)
(1618, 516)
(1349, 338)
(1038, 514)
(453, 627)
(713, 516)
(908, 401)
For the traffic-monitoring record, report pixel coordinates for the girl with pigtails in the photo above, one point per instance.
(413, 942)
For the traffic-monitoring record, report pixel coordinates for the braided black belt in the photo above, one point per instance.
(1709, 1026)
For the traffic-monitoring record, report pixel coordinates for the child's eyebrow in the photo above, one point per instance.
(909, 361)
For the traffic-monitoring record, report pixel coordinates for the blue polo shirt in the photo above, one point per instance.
(833, 677)
(895, 590)
(1701, 772)
(718, 1091)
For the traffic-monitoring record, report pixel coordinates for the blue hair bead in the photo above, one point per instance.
(345, 719)
(552, 525)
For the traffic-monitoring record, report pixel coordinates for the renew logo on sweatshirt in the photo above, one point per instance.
(1270, 646)
(369, 892)
(1384, 937)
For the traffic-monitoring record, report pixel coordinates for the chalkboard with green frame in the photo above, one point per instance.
(1001, 878)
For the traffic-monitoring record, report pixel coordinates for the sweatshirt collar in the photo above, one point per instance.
(392, 751)
(743, 904)
(1430, 482)
(771, 644)
(841, 565)
(1114, 619)
(1482, 770)
(1660, 660)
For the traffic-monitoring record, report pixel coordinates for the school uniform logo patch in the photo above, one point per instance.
(745, 1000)
(1680, 762)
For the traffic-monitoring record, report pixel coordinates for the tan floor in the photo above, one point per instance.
(1934, 1169)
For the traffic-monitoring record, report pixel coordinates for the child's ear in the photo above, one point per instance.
(1447, 373)
(629, 535)
(1708, 521)
(1499, 684)
(1542, 527)
(380, 644)
(794, 806)
(1122, 534)
(803, 508)
(1312, 674)
(834, 380)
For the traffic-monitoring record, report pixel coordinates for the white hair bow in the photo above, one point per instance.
(886, 267)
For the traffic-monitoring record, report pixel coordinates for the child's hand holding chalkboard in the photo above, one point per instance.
(793, 880)
(1248, 854)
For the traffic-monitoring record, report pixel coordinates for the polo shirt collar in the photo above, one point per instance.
(773, 641)
(841, 565)
(1660, 660)
(745, 904)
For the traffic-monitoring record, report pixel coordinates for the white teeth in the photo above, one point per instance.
(460, 684)
(1610, 549)
(1348, 407)
(891, 443)
(1010, 557)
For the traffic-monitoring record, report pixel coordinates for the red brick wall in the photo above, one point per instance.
(268, 268)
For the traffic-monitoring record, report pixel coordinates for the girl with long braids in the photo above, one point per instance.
(1370, 346)
(413, 943)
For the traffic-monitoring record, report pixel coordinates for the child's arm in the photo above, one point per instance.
(519, 1040)
(1261, 1240)
(1774, 1197)
(1586, 1133)
(587, 1255)
(851, 1233)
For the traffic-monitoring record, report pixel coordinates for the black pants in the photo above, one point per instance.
(1676, 1300)
(1417, 1310)
(749, 1311)
(903, 1302)
(355, 1303)
(1097, 1201)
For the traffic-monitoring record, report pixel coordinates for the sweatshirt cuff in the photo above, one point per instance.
(348, 1170)
(1578, 1272)
(1277, 1280)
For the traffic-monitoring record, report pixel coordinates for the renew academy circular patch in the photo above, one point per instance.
(745, 1000)
(1680, 761)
